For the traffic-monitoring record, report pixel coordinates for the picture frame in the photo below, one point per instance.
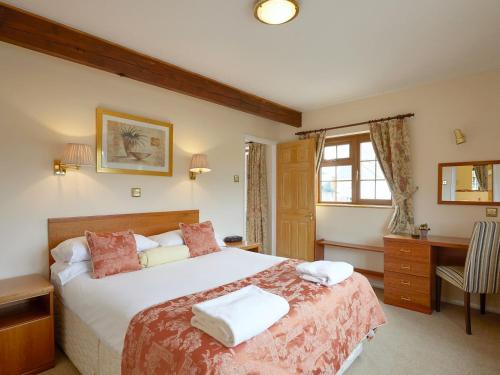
(129, 144)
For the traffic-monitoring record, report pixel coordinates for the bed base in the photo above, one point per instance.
(82, 346)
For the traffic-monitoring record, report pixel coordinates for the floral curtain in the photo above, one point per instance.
(481, 172)
(391, 143)
(320, 145)
(257, 198)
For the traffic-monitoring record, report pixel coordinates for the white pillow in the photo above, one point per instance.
(171, 238)
(144, 243)
(174, 238)
(75, 250)
(219, 240)
(62, 273)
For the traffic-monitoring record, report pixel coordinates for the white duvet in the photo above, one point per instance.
(107, 305)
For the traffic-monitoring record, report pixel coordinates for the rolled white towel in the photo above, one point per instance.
(325, 272)
(240, 315)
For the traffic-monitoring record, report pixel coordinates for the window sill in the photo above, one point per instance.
(355, 205)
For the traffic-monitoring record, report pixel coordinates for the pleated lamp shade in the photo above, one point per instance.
(78, 154)
(199, 164)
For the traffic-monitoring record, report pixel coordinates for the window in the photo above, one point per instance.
(351, 174)
(475, 181)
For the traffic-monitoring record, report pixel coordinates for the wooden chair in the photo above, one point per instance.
(481, 273)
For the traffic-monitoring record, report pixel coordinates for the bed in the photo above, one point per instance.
(96, 318)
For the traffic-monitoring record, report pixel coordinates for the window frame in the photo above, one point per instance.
(354, 161)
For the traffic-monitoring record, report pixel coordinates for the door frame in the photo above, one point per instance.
(272, 176)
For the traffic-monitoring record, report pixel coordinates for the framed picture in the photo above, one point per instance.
(132, 144)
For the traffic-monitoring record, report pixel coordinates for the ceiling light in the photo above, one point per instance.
(276, 12)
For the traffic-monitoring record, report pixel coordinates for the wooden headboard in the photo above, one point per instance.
(147, 224)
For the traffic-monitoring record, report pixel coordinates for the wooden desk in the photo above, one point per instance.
(410, 265)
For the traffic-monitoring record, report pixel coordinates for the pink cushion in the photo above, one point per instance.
(112, 253)
(199, 238)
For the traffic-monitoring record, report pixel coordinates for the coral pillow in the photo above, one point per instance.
(112, 253)
(199, 238)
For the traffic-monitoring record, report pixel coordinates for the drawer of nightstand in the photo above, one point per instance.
(27, 347)
(405, 283)
(407, 250)
(409, 267)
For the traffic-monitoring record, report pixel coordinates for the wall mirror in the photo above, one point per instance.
(474, 182)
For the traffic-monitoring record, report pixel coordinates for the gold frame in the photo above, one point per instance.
(100, 169)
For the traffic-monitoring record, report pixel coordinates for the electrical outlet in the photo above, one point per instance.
(491, 212)
(135, 192)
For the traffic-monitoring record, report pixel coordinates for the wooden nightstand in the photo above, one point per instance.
(26, 325)
(245, 245)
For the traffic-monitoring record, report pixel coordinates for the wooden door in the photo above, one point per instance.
(295, 208)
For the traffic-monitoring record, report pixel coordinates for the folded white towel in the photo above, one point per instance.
(325, 272)
(240, 315)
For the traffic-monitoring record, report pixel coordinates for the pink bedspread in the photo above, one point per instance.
(322, 328)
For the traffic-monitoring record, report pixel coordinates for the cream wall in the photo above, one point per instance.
(46, 102)
(471, 104)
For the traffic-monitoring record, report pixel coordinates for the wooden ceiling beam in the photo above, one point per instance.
(43, 35)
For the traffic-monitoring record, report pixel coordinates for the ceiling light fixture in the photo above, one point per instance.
(276, 12)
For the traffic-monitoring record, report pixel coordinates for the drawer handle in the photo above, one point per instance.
(405, 251)
(408, 299)
(406, 283)
(405, 267)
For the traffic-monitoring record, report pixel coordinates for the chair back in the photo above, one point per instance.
(482, 265)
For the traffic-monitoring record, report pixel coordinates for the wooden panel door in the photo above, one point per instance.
(296, 214)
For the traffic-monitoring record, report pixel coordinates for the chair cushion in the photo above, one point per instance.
(452, 274)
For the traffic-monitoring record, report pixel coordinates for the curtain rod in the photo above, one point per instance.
(357, 123)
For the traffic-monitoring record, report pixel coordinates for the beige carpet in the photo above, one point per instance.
(414, 343)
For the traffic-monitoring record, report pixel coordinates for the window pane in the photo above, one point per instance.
(344, 191)
(328, 191)
(367, 189)
(380, 174)
(327, 173)
(343, 151)
(330, 153)
(367, 152)
(344, 172)
(368, 170)
(383, 191)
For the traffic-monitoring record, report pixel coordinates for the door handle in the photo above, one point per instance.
(309, 216)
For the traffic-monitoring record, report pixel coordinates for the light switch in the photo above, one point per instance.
(236, 178)
(135, 192)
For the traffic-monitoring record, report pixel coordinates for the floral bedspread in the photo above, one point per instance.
(322, 328)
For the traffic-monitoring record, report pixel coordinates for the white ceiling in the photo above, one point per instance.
(336, 50)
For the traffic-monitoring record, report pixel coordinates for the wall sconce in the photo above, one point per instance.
(199, 165)
(459, 136)
(75, 155)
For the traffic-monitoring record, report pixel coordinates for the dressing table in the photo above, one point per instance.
(409, 268)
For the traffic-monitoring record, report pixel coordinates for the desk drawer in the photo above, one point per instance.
(407, 283)
(408, 267)
(407, 299)
(408, 250)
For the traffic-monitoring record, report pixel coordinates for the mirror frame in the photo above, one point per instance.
(470, 203)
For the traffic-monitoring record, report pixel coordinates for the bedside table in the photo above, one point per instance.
(245, 245)
(26, 325)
